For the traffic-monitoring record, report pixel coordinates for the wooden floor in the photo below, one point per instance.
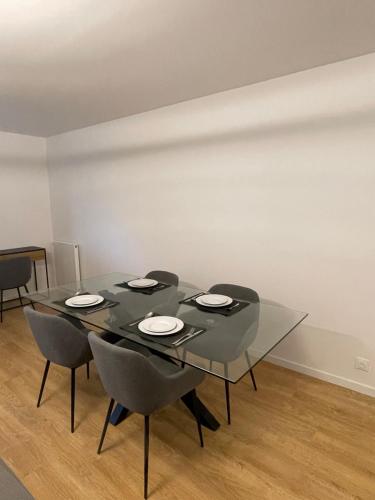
(296, 438)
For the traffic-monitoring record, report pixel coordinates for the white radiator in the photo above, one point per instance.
(66, 258)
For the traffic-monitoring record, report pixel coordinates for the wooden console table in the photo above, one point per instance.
(35, 253)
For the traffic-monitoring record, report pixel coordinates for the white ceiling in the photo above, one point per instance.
(66, 64)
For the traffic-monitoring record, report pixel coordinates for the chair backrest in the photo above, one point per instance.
(163, 276)
(236, 292)
(14, 272)
(129, 377)
(233, 341)
(58, 340)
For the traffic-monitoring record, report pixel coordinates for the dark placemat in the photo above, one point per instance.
(235, 307)
(146, 291)
(90, 309)
(166, 340)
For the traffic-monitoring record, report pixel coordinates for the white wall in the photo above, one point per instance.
(25, 213)
(270, 186)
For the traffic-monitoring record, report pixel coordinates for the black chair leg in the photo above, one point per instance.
(197, 417)
(108, 416)
(88, 370)
(72, 398)
(227, 397)
(251, 371)
(253, 380)
(145, 470)
(1, 306)
(19, 296)
(31, 302)
(43, 382)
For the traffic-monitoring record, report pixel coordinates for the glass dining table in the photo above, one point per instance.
(227, 344)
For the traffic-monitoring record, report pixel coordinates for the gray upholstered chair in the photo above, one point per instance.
(61, 343)
(240, 293)
(14, 273)
(236, 345)
(164, 276)
(142, 383)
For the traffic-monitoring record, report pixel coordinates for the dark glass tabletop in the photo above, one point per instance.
(227, 347)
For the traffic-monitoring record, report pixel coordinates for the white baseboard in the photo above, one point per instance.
(322, 375)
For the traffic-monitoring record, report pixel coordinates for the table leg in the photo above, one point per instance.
(207, 419)
(35, 278)
(205, 416)
(45, 263)
(119, 414)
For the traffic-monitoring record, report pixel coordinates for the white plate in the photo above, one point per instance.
(84, 300)
(142, 283)
(160, 325)
(214, 300)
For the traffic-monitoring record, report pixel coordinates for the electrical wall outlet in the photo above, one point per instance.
(362, 364)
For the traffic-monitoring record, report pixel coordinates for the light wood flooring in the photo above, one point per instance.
(296, 438)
